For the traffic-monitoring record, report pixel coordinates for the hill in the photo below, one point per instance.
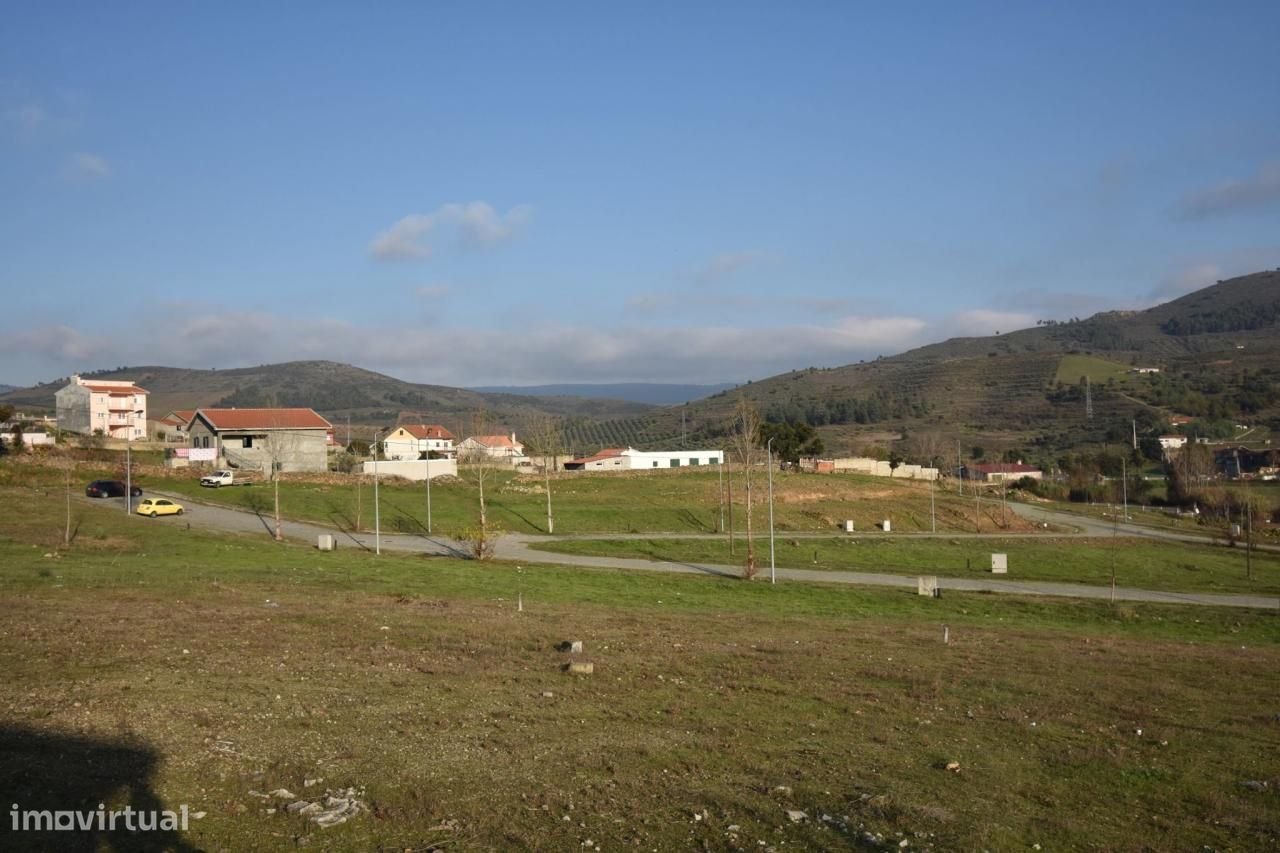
(338, 391)
(653, 393)
(1217, 351)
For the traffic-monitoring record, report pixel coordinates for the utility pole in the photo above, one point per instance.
(377, 519)
(959, 469)
(1124, 486)
(933, 513)
(773, 569)
(128, 472)
(731, 513)
(1135, 433)
(1088, 400)
(1248, 539)
(720, 471)
(428, 492)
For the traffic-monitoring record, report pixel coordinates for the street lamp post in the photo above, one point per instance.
(773, 569)
(720, 472)
(1124, 486)
(933, 514)
(128, 472)
(428, 492)
(377, 519)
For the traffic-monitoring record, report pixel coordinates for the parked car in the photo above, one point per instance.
(218, 479)
(110, 489)
(158, 506)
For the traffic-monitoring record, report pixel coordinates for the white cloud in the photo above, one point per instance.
(90, 166)
(723, 266)
(1233, 196)
(470, 356)
(473, 224)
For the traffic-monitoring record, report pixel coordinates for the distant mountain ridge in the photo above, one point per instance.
(338, 391)
(652, 393)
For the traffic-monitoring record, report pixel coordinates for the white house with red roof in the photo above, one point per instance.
(630, 459)
(411, 441)
(503, 447)
(111, 408)
(284, 440)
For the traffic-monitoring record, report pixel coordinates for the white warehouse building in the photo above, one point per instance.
(630, 459)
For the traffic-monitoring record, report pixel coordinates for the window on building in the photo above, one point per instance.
(655, 463)
(694, 461)
(248, 442)
(675, 463)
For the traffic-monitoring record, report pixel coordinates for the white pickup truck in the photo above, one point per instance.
(221, 478)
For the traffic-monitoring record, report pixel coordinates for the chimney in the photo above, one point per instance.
(513, 438)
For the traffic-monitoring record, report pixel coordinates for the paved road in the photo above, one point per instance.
(516, 548)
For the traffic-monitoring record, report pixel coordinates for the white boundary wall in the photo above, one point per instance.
(413, 469)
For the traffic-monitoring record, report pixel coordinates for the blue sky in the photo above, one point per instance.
(520, 193)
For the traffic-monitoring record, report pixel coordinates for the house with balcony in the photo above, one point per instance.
(110, 408)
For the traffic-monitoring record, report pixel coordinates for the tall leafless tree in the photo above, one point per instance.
(547, 438)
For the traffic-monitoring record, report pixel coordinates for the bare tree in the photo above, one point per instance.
(477, 465)
(279, 446)
(927, 448)
(546, 436)
(744, 437)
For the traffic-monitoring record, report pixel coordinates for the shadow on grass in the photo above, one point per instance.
(44, 772)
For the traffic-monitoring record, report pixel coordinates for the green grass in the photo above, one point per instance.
(1098, 369)
(1138, 563)
(667, 501)
(246, 665)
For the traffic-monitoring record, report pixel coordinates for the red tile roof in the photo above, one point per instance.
(116, 390)
(221, 419)
(184, 415)
(494, 440)
(427, 431)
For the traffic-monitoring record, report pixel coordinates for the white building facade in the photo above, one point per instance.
(112, 409)
(411, 441)
(630, 459)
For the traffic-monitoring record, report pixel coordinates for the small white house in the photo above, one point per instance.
(630, 459)
(411, 441)
(1173, 442)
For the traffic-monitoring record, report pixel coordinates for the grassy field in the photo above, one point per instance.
(1099, 370)
(158, 663)
(1140, 563)
(682, 501)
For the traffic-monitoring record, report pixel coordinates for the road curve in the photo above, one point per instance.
(516, 548)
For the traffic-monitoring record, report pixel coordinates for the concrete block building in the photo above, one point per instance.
(284, 440)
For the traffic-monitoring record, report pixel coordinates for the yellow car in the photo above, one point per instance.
(158, 506)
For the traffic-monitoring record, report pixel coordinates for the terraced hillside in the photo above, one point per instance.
(1218, 351)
